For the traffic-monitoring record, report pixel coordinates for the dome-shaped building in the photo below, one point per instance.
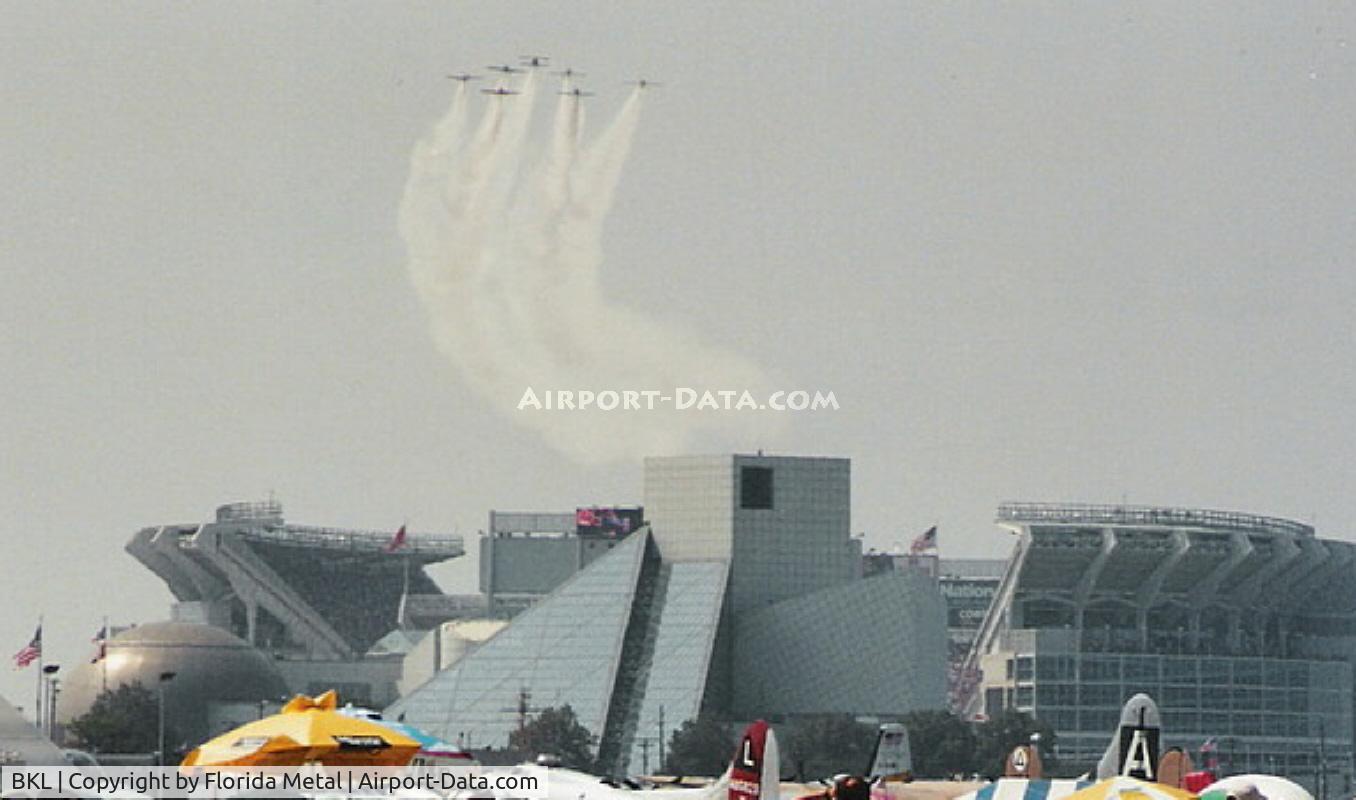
(219, 681)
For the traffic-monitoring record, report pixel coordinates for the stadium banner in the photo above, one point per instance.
(525, 782)
(607, 521)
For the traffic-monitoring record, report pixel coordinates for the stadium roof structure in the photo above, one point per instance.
(328, 592)
(1157, 570)
(1147, 556)
(1244, 624)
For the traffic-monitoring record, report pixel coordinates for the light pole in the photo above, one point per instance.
(49, 690)
(165, 677)
(52, 709)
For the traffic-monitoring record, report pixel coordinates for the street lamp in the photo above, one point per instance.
(52, 709)
(49, 689)
(165, 677)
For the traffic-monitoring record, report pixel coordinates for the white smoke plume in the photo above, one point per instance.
(504, 235)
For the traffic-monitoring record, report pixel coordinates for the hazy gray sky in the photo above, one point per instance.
(1074, 252)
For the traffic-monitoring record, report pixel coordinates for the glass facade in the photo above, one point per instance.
(680, 658)
(564, 650)
(1247, 697)
(1267, 714)
(892, 628)
(1240, 628)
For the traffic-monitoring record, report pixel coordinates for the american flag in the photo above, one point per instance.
(927, 540)
(31, 652)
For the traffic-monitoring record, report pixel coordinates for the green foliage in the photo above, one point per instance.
(703, 746)
(995, 739)
(942, 744)
(122, 720)
(556, 731)
(824, 745)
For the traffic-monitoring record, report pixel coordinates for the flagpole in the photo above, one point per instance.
(404, 594)
(37, 698)
(103, 654)
(405, 585)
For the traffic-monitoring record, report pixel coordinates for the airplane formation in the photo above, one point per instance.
(533, 62)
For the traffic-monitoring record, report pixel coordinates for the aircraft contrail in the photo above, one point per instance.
(504, 237)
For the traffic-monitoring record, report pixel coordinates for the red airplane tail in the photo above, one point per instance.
(755, 772)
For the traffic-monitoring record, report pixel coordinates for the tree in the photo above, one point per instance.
(556, 731)
(995, 739)
(824, 745)
(122, 720)
(702, 746)
(941, 743)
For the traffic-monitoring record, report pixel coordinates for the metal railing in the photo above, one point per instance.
(1086, 514)
(349, 539)
(250, 510)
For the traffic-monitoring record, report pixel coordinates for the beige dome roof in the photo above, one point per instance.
(211, 665)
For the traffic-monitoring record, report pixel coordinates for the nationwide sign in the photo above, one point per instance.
(967, 600)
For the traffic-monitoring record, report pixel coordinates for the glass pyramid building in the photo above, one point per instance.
(564, 650)
(745, 570)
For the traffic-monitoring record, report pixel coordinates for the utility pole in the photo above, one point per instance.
(661, 739)
(1322, 783)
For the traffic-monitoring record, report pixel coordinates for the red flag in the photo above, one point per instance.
(397, 541)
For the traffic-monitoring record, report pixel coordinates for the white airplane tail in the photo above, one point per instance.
(891, 757)
(1133, 751)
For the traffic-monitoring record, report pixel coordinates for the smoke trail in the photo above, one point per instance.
(505, 248)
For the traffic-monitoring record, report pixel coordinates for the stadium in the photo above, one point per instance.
(323, 603)
(1242, 627)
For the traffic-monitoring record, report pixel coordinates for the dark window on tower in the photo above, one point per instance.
(755, 487)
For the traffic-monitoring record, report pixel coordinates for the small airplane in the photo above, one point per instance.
(577, 93)
(892, 758)
(753, 774)
(1133, 751)
(644, 84)
(463, 77)
(534, 61)
(891, 761)
(504, 68)
(568, 73)
(499, 90)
